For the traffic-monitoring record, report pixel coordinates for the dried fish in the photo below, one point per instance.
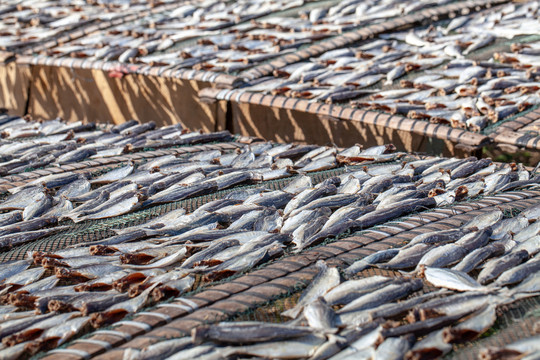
(497, 266)
(121, 309)
(472, 260)
(451, 279)
(298, 348)
(350, 290)
(518, 273)
(247, 332)
(326, 279)
(519, 349)
(378, 257)
(383, 295)
(473, 327)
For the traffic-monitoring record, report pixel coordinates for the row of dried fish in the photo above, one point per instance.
(37, 205)
(239, 48)
(44, 201)
(157, 39)
(23, 23)
(366, 318)
(466, 248)
(57, 143)
(105, 280)
(377, 318)
(161, 31)
(441, 85)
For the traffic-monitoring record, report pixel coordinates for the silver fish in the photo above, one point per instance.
(407, 258)
(532, 213)
(41, 285)
(495, 267)
(14, 267)
(294, 222)
(75, 188)
(58, 335)
(159, 350)
(247, 332)
(483, 40)
(473, 327)
(484, 220)
(235, 264)
(307, 196)
(277, 199)
(352, 289)
(209, 252)
(364, 263)
(114, 175)
(25, 277)
(518, 349)
(28, 333)
(319, 314)
(10, 218)
(306, 231)
(432, 345)
(350, 212)
(451, 279)
(13, 352)
(23, 198)
(443, 256)
(298, 348)
(530, 284)
(361, 348)
(456, 23)
(166, 261)
(528, 232)
(386, 294)
(115, 207)
(472, 260)
(121, 309)
(204, 352)
(10, 327)
(437, 237)
(518, 273)
(62, 207)
(393, 348)
(326, 163)
(326, 279)
(332, 201)
(298, 185)
(532, 246)
(474, 240)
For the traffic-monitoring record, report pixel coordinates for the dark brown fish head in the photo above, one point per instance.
(461, 192)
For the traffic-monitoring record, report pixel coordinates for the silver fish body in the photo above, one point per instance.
(497, 266)
(326, 279)
(451, 279)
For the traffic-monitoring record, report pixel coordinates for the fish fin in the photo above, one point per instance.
(410, 273)
(293, 313)
(78, 219)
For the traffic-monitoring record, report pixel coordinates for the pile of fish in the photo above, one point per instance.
(226, 40)
(441, 84)
(100, 282)
(138, 41)
(381, 317)
(27, 22)
(28, 145)
(304, 213)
